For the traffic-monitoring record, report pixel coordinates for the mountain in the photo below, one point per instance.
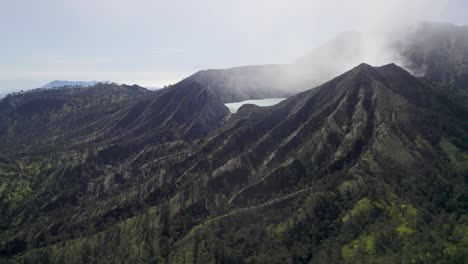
(436, 51)
(242, 83)
(106, 113)
(370, 167)
(57, 84)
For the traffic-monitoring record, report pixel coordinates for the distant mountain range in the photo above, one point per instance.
(370, 166)
(75, 84)
(57, 84)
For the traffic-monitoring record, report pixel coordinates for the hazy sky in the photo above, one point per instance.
(156, 42)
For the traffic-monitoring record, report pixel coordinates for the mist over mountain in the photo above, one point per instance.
(436, 51)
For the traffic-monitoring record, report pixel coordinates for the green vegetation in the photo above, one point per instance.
(364, 169)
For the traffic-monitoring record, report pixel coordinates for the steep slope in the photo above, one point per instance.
(368, 167)
(59, 147)
(38, 118)
(185, 110)
(355, 170)
(106, 113)
(368, 149)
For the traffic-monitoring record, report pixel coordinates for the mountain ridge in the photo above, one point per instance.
(360, 169)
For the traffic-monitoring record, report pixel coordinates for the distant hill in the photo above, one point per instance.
(56, 84)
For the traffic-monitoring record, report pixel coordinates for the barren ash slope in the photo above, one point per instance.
(369, 167)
